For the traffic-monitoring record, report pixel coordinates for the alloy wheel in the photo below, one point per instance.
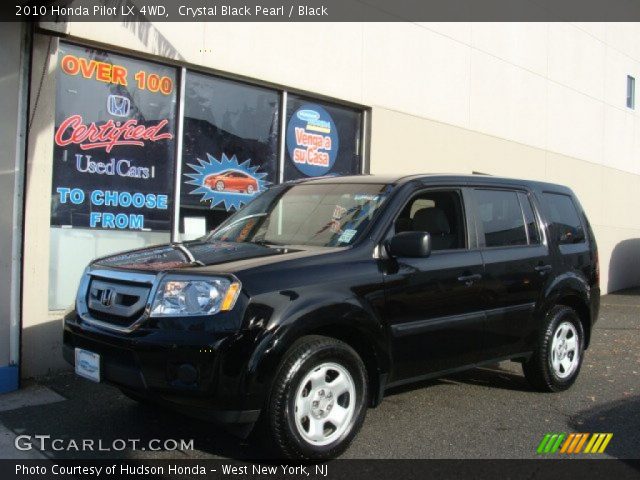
(325, 404)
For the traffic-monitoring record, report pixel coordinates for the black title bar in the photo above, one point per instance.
(115, 469)
(319, 10)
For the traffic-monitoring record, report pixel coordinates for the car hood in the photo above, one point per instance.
(226, 256)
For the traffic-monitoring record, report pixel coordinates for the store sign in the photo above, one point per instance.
(312, 140)
(225, 182)
(113, 142)
(72, 131)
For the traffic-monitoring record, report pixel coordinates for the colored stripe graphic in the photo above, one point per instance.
(543, 443)
(574, 443)
(581, 442)
(567, 443)
(550, 443)
(598, 442)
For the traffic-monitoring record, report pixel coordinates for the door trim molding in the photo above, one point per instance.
(422, 326)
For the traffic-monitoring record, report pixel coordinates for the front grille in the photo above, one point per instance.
(117, 302)
(115, 320)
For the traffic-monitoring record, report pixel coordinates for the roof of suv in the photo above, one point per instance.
(435, 178)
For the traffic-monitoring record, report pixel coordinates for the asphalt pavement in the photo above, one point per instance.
(483, 413)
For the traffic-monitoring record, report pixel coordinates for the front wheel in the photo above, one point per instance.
(555, 364)
(318, 400)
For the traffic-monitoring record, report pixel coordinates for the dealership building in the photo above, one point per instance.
(121, 135)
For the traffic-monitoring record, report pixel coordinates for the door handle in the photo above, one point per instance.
(469, 279)
(543, 268)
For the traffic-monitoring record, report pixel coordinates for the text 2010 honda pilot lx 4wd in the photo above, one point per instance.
(304, 306)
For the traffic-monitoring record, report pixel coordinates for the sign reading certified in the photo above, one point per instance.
(312, 140)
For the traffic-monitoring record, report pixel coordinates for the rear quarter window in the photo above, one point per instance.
(566, 226)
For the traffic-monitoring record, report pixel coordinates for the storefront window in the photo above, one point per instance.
(114, 164)
(114, 160)
(321, 139)
(230, 149)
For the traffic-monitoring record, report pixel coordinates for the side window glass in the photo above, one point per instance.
(567, 227)
(501, 218)
(530, 219)
(438, 212)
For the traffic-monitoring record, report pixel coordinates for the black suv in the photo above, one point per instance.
(301, 309)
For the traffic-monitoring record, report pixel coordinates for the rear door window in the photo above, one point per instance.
(566, 225)
(501, 218)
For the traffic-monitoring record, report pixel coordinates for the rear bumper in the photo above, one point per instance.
(197, 373)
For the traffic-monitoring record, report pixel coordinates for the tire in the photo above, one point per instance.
(250, 190)
(220, 186)
(315, 385)
(553, 367)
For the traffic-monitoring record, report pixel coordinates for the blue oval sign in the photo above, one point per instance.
(312, 140)
(308, 115)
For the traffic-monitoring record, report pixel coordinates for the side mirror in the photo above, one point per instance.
(410, 244)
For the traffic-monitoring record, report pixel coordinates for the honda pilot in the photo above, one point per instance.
(299, 311)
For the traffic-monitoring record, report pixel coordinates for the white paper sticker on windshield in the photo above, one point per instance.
(366, 197)
(347, 235)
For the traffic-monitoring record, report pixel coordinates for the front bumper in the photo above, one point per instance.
(198, 373)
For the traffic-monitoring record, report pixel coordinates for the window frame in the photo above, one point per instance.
(467, 217)
(516, 190)
(552, 225)
(177, 112)
(536, 218)
(283, 92)
(309, 98)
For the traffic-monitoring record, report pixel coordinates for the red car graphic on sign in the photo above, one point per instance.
(232, 180)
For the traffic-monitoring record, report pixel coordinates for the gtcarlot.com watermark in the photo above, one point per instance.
(47, 443)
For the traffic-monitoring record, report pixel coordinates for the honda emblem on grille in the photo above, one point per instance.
(106, 297)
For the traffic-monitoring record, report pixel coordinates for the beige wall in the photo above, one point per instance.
(541, 100)
(605, 193)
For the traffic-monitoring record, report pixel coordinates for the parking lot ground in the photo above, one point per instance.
(483, 413)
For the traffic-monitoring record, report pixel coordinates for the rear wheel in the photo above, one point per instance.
(318, 401)
(555, 364)
(220, 185)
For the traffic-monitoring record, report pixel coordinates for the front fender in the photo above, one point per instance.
(304, 315)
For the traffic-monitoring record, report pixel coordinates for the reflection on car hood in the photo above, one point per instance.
(188, 254)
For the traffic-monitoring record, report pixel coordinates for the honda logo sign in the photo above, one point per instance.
(118, 106)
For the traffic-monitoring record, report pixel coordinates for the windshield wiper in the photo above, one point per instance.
(267, 243)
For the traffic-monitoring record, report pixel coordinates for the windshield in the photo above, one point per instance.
(324, 215)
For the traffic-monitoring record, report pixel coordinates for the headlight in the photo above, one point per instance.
(184, 298)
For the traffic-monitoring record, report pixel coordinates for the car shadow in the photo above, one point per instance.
(103, 414)
(620, 417)
(492, 376)
(624, 266)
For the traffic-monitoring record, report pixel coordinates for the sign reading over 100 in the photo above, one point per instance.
(116, 74)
